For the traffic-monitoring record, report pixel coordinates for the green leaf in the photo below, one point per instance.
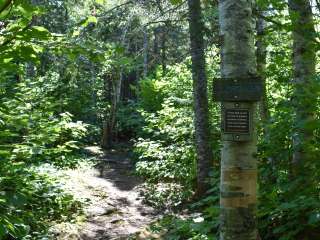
(176, 2)
(39, 32)
(3, 230)
(101, 2)
(90, 19)
(314, 218)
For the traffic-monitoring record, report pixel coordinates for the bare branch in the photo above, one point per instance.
(115, 8)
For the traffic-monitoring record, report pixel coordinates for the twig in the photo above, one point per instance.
(115, 8)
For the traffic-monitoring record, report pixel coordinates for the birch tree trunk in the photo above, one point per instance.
(304, 60)
(261, 66)
(238, 163)
(201, 122)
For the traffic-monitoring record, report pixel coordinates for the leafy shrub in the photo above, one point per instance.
(200, 221)
(130, 120)
(168, 152)
(35, 130)
(32, 132)
(29, 201)
(151, 95)
(164, 148)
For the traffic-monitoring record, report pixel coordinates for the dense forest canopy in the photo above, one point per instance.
(159, 119)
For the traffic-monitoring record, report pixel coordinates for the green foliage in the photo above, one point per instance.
(19, 40)
(196, 228)
(38, 131)
(164, 148)
(33, 129)
(288, 207)
(32, 132)
(130, 120)
(29, 201)
(150, 94)
(175, 2)
(199, 221)
(60, 65)
(164, 145)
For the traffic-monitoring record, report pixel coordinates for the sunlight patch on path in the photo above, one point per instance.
(115, 208)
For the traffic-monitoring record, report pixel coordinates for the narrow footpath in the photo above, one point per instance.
(115, 208)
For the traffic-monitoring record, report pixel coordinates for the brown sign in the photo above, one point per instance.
(238, 89)
(237, 121)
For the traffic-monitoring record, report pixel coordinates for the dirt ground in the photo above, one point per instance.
(115, 208)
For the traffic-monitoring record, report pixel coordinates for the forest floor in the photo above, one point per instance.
(114, 208)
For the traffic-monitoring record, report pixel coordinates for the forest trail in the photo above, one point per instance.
(115, 208)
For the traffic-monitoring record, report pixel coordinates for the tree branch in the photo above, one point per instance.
(155, 20)
(115, 8)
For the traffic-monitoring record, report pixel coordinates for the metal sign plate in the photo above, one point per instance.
(238, 89)
(237, 121)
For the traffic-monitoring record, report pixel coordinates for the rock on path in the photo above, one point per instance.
(115, 209)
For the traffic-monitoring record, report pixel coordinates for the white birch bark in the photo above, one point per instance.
(239, 166)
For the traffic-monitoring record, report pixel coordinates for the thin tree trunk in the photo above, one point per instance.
(109, 127)
(106, 140)
(109, 131)
(238, 163)
(261, 66)
(304, 61)
(201, 122)
(156, 46)
(145, 53)
(164, 50)
(261, 70)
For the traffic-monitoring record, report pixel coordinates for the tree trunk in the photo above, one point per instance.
(261, 66)
(110, 130)
(238, 163)
(201, 122)
(261, 69)
(145, 53)
(164, 50)
(304, 60)
(107, 136)
(156, 46)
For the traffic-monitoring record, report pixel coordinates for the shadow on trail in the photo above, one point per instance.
(117, 210)
(118, 169)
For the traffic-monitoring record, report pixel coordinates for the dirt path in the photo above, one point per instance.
(115, 208)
